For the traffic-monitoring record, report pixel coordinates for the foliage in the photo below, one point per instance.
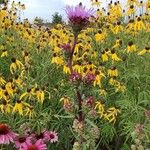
(57, 18)
(2, 1)
(38, 20)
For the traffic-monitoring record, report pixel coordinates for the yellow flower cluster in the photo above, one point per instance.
(109, 114)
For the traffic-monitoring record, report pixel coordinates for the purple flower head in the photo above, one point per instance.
(52, 136)
(89, 101)
(147, 113)
(21, 141)
(6, 135)
(89, 78)
(75, 76)
(66, 47)
(78, 17)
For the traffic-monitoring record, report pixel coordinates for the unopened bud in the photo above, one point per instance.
(133, 147)
(76, 146)
(140, 147)
(95, 132)
(137, 142)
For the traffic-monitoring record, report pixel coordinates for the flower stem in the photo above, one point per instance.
(80, 105)
(72, 52)
(79, 98)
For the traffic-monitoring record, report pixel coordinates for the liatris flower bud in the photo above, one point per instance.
(89, 78)
(89, 101)
(68, 106)
(92, 113)
(75, 76)
(67, 50)
(147, 113)
(133, 147)
(95, 132)
(140, 147)
(78, 126)
(76, 146)
(66, 47)
(78, 17)
(139, 128)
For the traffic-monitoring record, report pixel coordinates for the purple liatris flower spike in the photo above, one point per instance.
(78, 17)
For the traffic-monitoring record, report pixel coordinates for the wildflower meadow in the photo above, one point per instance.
(83, 84)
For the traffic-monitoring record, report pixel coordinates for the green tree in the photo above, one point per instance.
(2, 1)
(57, 18)
(38, 20)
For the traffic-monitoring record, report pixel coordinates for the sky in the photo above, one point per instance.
(46, 8)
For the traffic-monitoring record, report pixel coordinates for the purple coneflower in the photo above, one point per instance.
(78, 17)
(39, 145)
(6, 135)
(52, 136)
(41, 136)
(22, 141)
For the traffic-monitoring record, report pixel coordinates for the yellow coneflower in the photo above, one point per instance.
(100, 36)
(139, 24)
(111, 114)
(131, 47)
(10, 87)
(28, 94)
(96, 3)
(18, 81)
(16, 64)
(104, 56)
(2, 81)
(113, 72)
(29, 111)
(100, 107)
(118, 28)
(77, 68)
(57, 60)
(18, 107)
(5, 95)
(66, 69)
(132, 2)
(144, 51)
(114, 56)
(113, 81)
(26, 57)
(131, 10)
(40, 95)
(65, 100)
(4, 53)
(103, 92)
(120, 87)
(98, 78)
(5, 107)
(118, 43)
(148, 6)
(67, 103)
